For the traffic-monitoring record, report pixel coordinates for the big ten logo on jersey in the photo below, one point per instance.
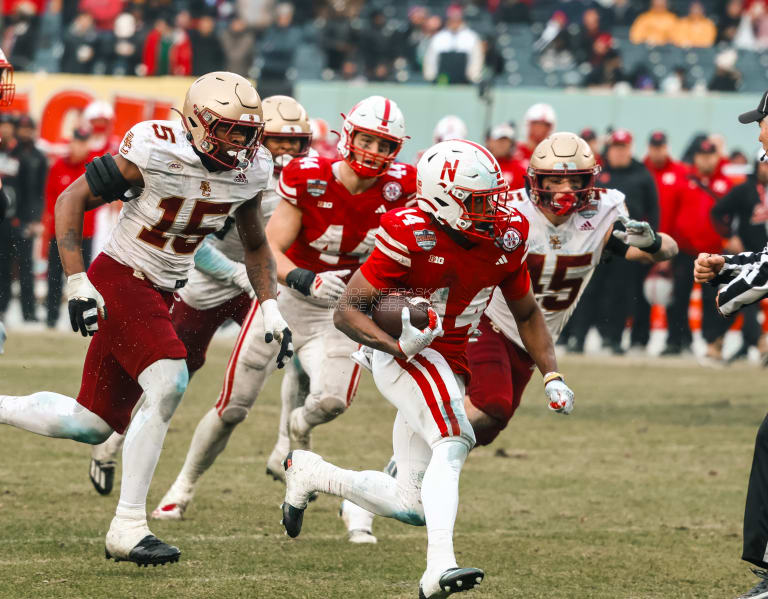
(557, 279)
(170, 226)
(329, 244)
(471, 313)
(436, 259)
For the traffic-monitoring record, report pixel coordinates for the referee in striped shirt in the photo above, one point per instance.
(744, 280)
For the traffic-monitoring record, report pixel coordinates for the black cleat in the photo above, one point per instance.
(293, 518)
(457, 580)
(150, 550)
(102, 475)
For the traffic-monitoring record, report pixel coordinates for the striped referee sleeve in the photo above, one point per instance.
(748, 287)
(734, 264)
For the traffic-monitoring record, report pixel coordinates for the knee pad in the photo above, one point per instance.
(234, 414)
(167, 385)
(327, 407)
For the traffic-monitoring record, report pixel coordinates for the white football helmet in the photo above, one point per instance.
(222, 98)
(449, 127)
(7, 86)
(539, 113)
(460, 183)
(377, 116)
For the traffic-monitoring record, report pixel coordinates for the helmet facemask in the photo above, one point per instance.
(217, 145)
(563, 203)
(485, 213)
(305, 142)
(7, 86)
(366, 163)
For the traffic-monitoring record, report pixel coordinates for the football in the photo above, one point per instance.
(387, 312)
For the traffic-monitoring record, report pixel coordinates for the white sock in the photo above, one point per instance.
(358, 518)
(210, 438)
(164, 383)
(440, 496)
(374, 491)
(53, 415)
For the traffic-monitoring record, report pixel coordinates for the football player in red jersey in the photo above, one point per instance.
(179, 181)
(459, 244)
(320, 232)
(7, 92)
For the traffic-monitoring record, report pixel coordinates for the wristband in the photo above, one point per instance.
(655, 246)
(300, 279)
(552, 376)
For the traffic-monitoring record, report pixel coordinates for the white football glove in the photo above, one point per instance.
(638, 233)
(413, 340)
(240, 278)
(276, 328)
(85, 304)
(559, 395)
(329, 285)
(364, 357)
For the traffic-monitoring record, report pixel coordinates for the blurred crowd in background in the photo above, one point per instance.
(669, 45)
(710, 199)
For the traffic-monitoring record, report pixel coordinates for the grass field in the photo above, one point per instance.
(640, 493)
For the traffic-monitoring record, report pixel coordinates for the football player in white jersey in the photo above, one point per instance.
(218, 288)
(321, 230)
(179, 182)
(573, 225)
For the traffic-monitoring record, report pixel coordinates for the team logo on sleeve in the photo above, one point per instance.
(316, 187)
(511, 239)
(205, 189)
(392, 191)
(425, 239)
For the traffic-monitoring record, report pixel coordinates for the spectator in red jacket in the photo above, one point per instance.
(670, 178)
(695, 233)
(61, 174)
(501, 142)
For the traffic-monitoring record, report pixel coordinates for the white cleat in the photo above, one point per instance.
(299, 466)
(453, 580)
(359, 523)
(172, 506)
(299, 440)
(275, 464)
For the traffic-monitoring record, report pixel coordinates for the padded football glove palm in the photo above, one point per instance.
(559, 395)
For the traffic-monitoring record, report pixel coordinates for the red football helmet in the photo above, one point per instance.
(7, 86)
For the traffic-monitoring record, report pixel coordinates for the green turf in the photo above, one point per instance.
(640, 493)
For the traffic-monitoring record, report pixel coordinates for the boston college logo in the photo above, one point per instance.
(205, 188)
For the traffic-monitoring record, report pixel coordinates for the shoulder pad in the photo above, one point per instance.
(410, 227)
(105, 179)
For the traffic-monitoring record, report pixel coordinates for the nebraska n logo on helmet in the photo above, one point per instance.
(563, 154)
(218, 100)
(378, 116)
(460, 183)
